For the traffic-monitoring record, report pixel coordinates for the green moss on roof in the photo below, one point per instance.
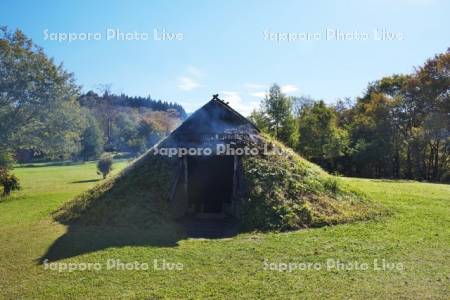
(282, 192)
(287, 192)
(135, 197)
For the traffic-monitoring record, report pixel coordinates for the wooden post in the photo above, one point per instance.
(235, 165)
(235, 179)
(185, 165)
(175, 182)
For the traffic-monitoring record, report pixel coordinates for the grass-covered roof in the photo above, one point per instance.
(282, 192)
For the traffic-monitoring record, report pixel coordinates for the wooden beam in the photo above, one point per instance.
(235, 166)
(175, 183)
(185, 167)
(235, 183)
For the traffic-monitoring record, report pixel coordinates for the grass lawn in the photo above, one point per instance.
(415, 238)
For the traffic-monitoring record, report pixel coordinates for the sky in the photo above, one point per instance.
(185, 51)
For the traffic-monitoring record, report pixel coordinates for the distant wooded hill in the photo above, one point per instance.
(128, 124)
(92, 99)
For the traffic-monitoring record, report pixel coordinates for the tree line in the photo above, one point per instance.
(399, 128)
(92, 99)
(125, 124)
(45, 116)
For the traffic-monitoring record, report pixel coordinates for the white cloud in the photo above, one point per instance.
(258, 94)
(254, 86)
(187, 83)
(236, 102)
(288, 88)
(190, 79)
(255, 89)
(233, 98)
(195, 71)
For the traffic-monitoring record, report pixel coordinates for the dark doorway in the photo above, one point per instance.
(210, 182)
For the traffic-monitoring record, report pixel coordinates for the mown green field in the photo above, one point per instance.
(414, 242)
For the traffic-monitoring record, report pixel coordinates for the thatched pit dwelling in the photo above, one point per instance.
(217, 164)
(210, 145)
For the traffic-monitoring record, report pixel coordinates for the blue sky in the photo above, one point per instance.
(230, 47)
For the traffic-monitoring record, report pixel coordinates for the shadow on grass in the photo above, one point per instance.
(80, 239)
(86, 181)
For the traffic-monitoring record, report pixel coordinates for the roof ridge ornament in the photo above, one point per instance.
(216, 97)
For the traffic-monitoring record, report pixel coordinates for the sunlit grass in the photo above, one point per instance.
(417, 235)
